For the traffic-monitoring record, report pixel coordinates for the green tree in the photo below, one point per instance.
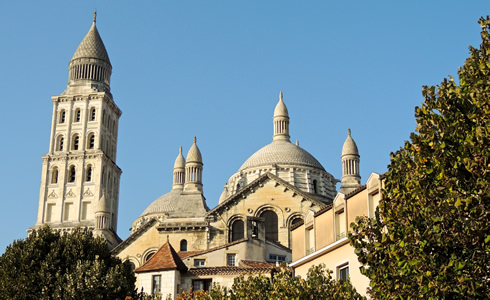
(430, 238)
(54, 265)
(318, 284)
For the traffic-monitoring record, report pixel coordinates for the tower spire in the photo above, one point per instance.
(281, 121)
(95, 16)
(351, 178)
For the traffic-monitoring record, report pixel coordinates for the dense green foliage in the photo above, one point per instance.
(318, 284)
(53, 265)
(431, 237)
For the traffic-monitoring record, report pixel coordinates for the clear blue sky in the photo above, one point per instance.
(214, 69)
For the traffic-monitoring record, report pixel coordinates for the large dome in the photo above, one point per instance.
(281, 153)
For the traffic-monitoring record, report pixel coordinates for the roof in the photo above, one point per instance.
(228, 270)
(350, 147)
(163, 260)
(281, 109)
(92, 46)
(178, 204)
(281, 152)
(194, 155)
(179, 161)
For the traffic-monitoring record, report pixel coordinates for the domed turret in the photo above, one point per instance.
(179, 171)
(90, 65)
(351, 178)
(281, 121)
(193, 169)
(102, 214)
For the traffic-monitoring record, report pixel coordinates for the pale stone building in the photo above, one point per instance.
(249, 231)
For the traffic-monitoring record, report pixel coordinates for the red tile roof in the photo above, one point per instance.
(163, 260)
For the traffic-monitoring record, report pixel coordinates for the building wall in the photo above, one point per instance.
(170, 282)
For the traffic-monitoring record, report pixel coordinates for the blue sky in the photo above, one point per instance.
(214, 69)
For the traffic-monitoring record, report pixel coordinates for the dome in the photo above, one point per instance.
(281, 109)
(164, 204)
(194, 155)
(350, 147)
(281, 153)
(92, 46)
(179, 161)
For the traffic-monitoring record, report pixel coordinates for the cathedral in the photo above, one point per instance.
(178, 241)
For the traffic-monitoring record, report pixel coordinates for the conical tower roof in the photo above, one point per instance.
(281, 110)
(92, 46)
(350, 147)
(194, 154)
(166, 258)
(179, 161)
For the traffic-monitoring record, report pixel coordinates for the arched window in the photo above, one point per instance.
(76, 142)
(237, 187)
(54, 175)
(88, 175)
(296, 220)
(149, 255)
(91, 141)
(314, 187)
(61, 140)
(78, 115)
(71, 174)
(62, 116)
(132, 265)
(92, 114)
(271, 225)
(237, 230)
(183, 245)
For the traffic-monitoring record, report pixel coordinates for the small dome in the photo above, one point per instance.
(194, 155)
(281, 153)
(179, 161)
(281, 109)
(350, 147)
(92, 46)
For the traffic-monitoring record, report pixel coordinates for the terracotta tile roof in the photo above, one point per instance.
(297, 224)
(356, 191)
(324, 209)
(185, 254)
(227, 270)
(164, 259)
(256, 264)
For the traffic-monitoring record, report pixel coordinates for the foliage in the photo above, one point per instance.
(54, 265)
(430, 238)
(319, 284)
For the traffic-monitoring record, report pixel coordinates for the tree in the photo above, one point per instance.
(430, 237)
(54, 265)
(319, 284)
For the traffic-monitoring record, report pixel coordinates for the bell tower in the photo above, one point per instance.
(80, 178)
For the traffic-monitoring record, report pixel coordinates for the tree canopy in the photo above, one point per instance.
(318, 284)
(54, 265)
(430, 238)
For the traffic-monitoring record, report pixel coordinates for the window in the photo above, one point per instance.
(271, 225)
(88, 176)
(61, 140)
(183, 245)
(201, 284)
(315, 187)
(76, 142)
(373, 203)
(237, 230)
(92, 114)
(71, 174)
(49, 212)
(343, 272)
(62, 116)
(78, 115)
(156, 284)
(149, 255)
(91, 141)
(199, 262)
(54, 175)
(274, 258)
(85, 205)
(310, 240)
(132, 265)
(230, 259)
(340, 224)
(66, 213)
(237, 187)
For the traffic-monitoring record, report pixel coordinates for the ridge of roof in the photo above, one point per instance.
(133, 236)
(166, 258)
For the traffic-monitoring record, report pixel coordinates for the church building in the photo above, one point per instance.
(178, 241)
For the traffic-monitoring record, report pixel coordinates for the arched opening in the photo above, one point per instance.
(314, 187)
(60, 143)
(88, 175)
(78, 115)
(91, 141)
(76, 142)
(183, 245)
(71, 174)
(62, 116)
(92, 114)
(237, 230)
(271, 225)
(149, 255)
(54, 175)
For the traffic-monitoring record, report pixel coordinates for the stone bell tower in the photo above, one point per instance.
(80, 178)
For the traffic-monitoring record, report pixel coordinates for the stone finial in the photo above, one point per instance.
(95, 15)
(195, 140)
(348, 131)
(167, 238)
(280, 95)
(297, 143)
